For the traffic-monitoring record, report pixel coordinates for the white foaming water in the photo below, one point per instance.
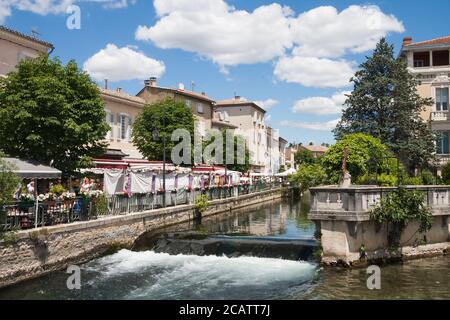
(179, 276)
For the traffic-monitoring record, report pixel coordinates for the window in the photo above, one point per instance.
(442, 99)
(129, 128)
(200, 108)
(188, 103)
(110, 122)
(442, 143)
(441, 58)
(123, 126)
(421, 59)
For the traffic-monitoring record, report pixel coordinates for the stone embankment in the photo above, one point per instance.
(39, 251)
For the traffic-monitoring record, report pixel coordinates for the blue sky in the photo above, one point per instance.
(286, 53)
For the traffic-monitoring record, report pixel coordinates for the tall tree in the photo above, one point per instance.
(241, 162)
(385, 104)
(51, 113)
(162, 117)
(304, 156)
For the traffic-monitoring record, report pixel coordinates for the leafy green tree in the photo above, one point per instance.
(8, 181)
(237, 141)
(445, 174)
(304, 157)
(8, 184)
(163, 117)
(384, 103)
(308, 176)
(52, 113)
(365, 153)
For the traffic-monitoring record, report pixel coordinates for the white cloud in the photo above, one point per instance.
(45, 7)
(325, 32)
(116, 64)
(267, 104)
(321, 105)
(219, 32)
(319, 38)
(112, 4)
(5, 11)
(318, 126)
(314, 72)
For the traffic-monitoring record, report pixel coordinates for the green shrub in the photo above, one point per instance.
(201, 203)
(9, 238)
(412, 181)
(387, 180)
(309, 175)
(398, 209)
(57, 189)
(100, 205)
(384, 180)
(427, 178)
(445, 174)
(365, 154)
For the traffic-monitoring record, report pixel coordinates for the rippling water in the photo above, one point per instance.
(150, 275)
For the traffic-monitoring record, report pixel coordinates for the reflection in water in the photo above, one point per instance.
(284, 219)
(150, 275)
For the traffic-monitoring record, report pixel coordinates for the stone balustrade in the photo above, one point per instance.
(343, 224)
(355, 203)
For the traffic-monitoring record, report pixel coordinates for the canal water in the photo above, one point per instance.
(146, 274)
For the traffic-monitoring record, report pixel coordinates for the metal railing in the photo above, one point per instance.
(22, 215)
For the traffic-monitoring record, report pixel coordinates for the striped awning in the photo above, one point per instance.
(28, 169)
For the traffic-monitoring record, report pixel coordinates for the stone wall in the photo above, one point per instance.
(342, 217)
(40, 251)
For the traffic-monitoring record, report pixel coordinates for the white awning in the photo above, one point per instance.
(28, 169)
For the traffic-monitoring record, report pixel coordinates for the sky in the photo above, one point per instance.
(294, 57)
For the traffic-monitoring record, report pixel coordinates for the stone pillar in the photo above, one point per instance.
(334, 241)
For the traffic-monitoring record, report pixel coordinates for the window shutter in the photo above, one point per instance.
(129, 127)
(117, 129)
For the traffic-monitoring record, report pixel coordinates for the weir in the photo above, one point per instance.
(43, 250)
(342, 218)
(231, 246)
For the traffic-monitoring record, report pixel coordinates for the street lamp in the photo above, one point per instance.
(156, 136)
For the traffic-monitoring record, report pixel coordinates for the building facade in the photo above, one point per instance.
(16, 46)
(316, 151)
(249, 121)
(282, 144)
(429, 62)
(121, 111)
(273, 152)
(200, 104)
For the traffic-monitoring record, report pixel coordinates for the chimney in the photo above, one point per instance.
(119, 89)
(237, 98)
(150, 82)
(203, 93)
(106, 83)
(407, 41)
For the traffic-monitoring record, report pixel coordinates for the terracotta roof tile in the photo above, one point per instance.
(17, 33)
(121, 95)
(316, 148)
(442, 40)
(193, 94)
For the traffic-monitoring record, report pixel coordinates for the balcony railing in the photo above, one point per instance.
(440, 116)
